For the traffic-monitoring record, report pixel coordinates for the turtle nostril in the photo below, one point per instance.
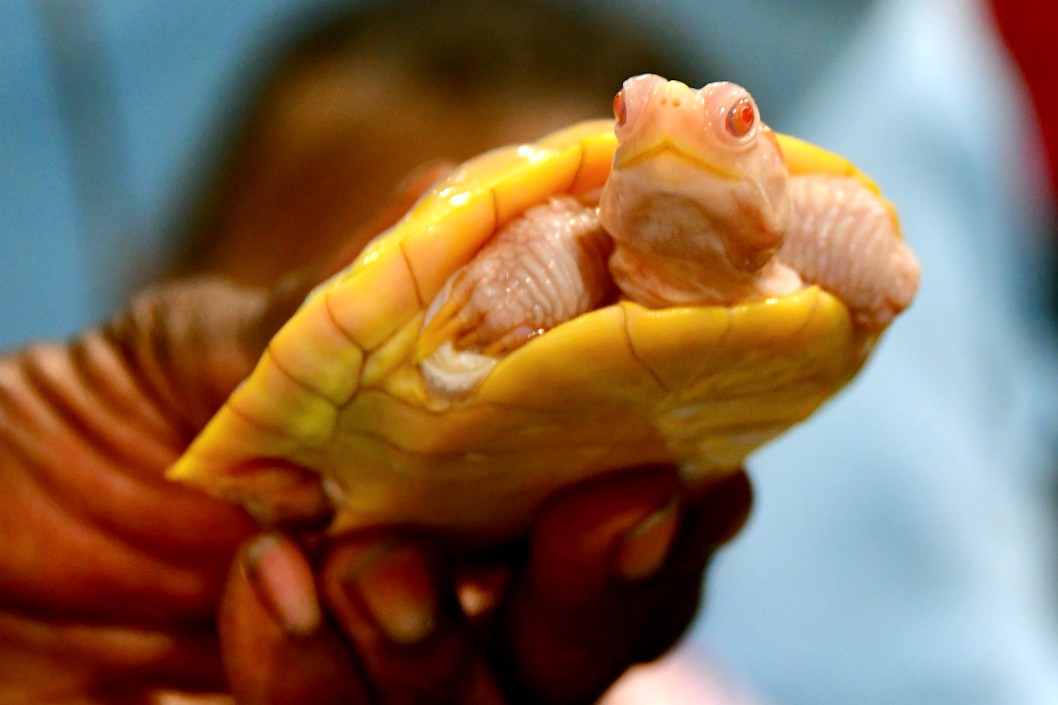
(675, 102)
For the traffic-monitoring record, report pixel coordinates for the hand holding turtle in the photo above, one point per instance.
(606, 578)
(610, 577)
(111, 576)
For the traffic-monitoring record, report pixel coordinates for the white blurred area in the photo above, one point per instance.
(904, 542)
(681, 678)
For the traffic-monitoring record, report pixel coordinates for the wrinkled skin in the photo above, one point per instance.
(698, 209)
(693, 212)
(702, 211)
(116, 584)
(697, 202)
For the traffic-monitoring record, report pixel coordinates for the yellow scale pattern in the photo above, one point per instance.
(337, 391)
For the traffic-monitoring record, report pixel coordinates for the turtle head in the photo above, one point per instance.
(696, 174)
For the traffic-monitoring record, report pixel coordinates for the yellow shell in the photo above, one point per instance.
(338, 392)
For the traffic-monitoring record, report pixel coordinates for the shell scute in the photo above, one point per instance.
(319, 355)
(375, 300)
(581, 365)
(452, 222)
(738, 376)
(671, 342)
(806, 158)
(273, 399)
(597, 143)
(437, 247)
(220, 450)
(543, 172)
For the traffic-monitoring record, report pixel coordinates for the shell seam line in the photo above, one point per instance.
(297, 382)
(495, 210)
(258, 424)
(728, 325)
(280, 431)
(635, 356)
(334, 321)
(411, 272)
(580, 166)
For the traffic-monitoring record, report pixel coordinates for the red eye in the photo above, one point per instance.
(741, 118)
(619, 110)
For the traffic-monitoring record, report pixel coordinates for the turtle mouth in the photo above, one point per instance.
(669, 148)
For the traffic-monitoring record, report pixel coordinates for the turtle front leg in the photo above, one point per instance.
(544, 268)
(845, 238)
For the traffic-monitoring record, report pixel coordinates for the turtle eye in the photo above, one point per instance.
(741, 118)
(620, 110)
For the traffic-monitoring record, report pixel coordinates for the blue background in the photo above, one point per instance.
(903, 545)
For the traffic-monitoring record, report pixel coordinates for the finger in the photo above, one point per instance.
(557, 635)
(276, 648)
(614, 577)
(711, 519)
(388, 595)
(575, 550)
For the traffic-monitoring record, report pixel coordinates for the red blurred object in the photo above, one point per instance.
(1030, 30)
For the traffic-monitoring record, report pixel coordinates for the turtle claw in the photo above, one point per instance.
(443, 325)
(435, 334)
(450, 324)
(512, 340)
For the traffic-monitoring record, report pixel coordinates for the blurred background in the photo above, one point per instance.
(904, 545)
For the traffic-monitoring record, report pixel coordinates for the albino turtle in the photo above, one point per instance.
(681, 284)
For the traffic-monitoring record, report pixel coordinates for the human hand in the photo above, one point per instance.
(609, 577)
(110, 576)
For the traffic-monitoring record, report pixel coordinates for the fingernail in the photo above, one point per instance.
(642, 550)
(396, 587)
(284, 584)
